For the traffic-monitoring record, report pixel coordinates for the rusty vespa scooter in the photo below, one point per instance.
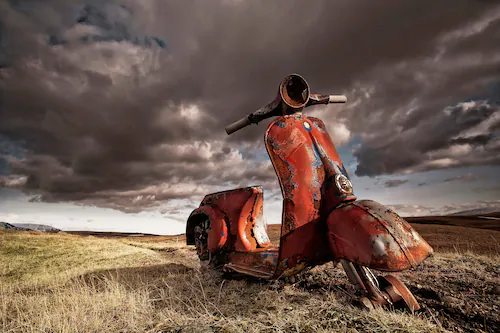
(321, 221)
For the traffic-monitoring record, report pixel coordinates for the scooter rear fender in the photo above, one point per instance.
(235, 220)
(217, 236)
(372, 235)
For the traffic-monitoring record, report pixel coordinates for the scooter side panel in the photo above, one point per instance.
(250, 228)
(231, 203)
(236, 219)
(244, 240)
(368, 233)
(258, 226)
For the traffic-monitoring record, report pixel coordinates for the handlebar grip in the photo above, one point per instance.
(337, 99)
(237, 125)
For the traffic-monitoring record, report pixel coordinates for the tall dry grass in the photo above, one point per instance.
(64, 283)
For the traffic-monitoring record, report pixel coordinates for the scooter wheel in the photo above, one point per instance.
(201, 244)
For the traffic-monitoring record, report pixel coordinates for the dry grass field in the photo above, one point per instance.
(73, 283)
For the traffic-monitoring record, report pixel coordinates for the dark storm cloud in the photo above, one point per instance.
(395, 182)
(428, 146)
(479, 140)
(415, 117)
(109, 122)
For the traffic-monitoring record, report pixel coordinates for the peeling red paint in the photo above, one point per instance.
(321, 220)
(368, 233)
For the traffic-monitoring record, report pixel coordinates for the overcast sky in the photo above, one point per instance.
(123, 104)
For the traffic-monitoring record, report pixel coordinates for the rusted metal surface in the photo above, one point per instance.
(227, 203)
(217, 237)
(376, 295)
(321, 220)
(227, 206)
(372, 235)
(230, 203)
(382, 291)
(391, 294)
(305, 246)
(260, 263)
(318, 99)
(306, 163)
(249, 227)
(253, 252)
(353, 276)
(237, 228)
(399, 293)
(259, 228)
(294, 91)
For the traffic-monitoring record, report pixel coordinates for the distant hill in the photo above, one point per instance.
(477, 211)
(35, 227)
(8, 226)
(471, 221)
(111, 234)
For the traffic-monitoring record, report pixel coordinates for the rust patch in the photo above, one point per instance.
(370, 235)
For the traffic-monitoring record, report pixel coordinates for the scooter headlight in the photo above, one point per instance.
(343, 184)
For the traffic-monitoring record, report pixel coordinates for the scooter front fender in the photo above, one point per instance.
(372, 235)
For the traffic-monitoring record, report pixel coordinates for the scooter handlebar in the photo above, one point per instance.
(266, 111)
(337, 99)
(315, 99)
(237, 125)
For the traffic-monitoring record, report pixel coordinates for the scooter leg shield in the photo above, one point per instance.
(368, 233)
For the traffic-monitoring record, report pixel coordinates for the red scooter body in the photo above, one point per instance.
(321, 220)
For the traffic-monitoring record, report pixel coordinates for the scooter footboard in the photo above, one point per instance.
(370, 234)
